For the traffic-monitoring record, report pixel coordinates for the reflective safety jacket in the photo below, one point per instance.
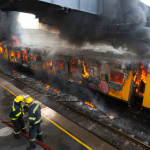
(15, 112)
(34, 114)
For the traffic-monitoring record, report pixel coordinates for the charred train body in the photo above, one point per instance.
(112, 76)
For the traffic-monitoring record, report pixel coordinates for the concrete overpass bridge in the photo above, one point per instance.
(88, 6)
(41, 8)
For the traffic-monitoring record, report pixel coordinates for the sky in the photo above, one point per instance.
(147, 2)
(28, 21)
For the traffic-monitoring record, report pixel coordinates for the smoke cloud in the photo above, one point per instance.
(8, 24)
(123, 23)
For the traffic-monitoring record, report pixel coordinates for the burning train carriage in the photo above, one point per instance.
(111, 77)
(20, 54)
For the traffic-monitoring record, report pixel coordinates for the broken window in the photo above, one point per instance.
(31, 57)
(49, 62)
(117, 77)
(12, 54)
(17, 54)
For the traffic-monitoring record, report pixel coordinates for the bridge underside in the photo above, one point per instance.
(44, 10)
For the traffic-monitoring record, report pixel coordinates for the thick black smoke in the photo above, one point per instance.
(9, 25)
(123, 23)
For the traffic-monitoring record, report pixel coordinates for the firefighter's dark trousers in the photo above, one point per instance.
(36, 128)
(19, 125)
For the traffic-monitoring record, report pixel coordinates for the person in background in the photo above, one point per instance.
(16, 114)
(34, 122)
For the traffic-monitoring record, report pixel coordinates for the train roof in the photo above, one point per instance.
(88, 53)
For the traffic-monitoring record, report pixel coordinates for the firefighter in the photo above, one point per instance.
(34, 123)
(16, 114)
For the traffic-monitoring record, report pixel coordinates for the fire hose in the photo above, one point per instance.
(27, 136)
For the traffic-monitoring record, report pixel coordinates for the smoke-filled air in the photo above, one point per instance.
(123, 24)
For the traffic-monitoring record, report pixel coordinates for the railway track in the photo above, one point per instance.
(109, 134)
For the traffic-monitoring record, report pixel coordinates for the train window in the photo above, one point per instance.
(17, 54)
(60, 64)
(24, 57)
(5, 51)
(39, 59)
(49, 62)
(117, 77)
(31, 57)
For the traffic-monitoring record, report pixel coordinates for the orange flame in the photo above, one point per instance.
(47, 86)
(141, 75)
(85, 74)
(15, 38)
(144, 74)
(14, 72)
(49, 62)
(80, 81)
(56, 91)
(40, 81)
(90, 104)
(110, 116)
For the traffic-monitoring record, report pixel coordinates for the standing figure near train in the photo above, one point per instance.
(34, 123)
(16, 114)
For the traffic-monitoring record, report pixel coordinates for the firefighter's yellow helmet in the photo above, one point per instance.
(29, 100)
(18, 99)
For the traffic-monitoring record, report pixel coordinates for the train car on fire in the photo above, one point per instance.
(104, 72)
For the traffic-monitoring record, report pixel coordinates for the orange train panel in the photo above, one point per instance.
(5, 54)
(146, 98)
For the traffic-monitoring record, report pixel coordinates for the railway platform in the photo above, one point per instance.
(59, 132)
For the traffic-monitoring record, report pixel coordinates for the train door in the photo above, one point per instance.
(62, 68)
(32, 62)
(5, 53)
(75, 70)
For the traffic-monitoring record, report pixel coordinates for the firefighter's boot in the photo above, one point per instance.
(31, 147)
